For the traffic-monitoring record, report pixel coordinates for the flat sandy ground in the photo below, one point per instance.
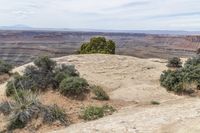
(134, 80)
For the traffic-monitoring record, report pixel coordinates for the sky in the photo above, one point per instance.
(103, 14)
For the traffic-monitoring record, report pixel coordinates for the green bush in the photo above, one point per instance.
(73, 86)
(45, 63)
(69, 70)
(43, 79)
(5, 67)
(169, 79)
(183, 80)
(93, 112)
(60, 76)
(99, 93)
(174, 62)
(98, 45)
(62, 72)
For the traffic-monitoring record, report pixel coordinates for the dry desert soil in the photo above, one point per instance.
(134, 82)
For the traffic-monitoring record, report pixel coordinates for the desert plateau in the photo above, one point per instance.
(108, 66)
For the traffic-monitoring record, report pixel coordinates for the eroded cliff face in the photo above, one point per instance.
(20, 47)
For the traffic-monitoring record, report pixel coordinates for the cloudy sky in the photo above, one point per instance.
(102, 14)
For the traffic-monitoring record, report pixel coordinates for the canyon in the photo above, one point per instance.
(20, 47)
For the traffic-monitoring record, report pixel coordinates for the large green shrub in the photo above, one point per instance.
(5, 67)
(169, 79)
(98, 45)
(183, 80)
(174, 62)
(73, 86)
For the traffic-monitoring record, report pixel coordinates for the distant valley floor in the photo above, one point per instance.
(19, 47)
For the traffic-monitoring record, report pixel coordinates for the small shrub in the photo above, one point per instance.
(108, 110)
(73, 86)
(54, 113)
(98, 45)
(99, 93)
(5, 67)
(23, 110)
(174, 62)
(155, 102)
(69, 70)
(45, 63)
(93, 112)
(43, 79)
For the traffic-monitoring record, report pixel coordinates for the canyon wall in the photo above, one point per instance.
(19, 47)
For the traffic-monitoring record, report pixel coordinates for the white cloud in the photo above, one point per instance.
(104, 14)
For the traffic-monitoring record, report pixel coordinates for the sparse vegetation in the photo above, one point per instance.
(184, 79)
(26, 106)
(5, 68)
(99, 93)
(47, 74)
(94, 112)
(98, 45)
(174, 62)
